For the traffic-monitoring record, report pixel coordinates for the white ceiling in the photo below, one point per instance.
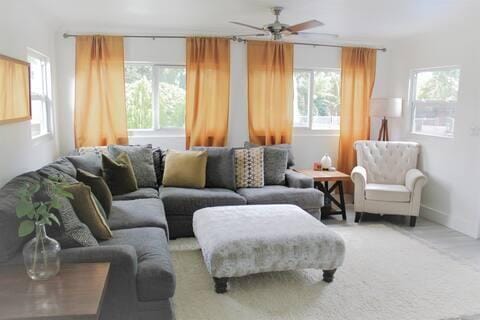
(363, 20)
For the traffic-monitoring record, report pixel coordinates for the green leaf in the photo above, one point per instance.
(54, 218)
(24, 208)
(26, 227)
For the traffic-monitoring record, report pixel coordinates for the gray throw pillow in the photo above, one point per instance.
(274, 165)
(159, 156)
(291, 159)
(220, 167)
(61, 169)
(89, 161)
(142, 163)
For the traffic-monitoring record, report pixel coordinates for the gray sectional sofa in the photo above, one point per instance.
(142, 280)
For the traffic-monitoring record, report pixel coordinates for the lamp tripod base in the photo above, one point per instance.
(383, 134)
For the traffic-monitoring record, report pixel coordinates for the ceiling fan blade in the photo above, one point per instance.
(246, 25)
(252, 35)
(315, 35)
(305, 25)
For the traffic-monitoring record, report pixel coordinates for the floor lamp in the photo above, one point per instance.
(385, 108)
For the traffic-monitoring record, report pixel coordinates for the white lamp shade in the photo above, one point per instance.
(386, 107)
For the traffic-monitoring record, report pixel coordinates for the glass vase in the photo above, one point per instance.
(41, 255)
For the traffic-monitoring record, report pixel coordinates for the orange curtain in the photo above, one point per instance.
(14, 90)
(270, 92)
(100, 111)
(358, 78)
(208, 91)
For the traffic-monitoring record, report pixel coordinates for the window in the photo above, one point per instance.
(434, 97)
(317, 99)
(40, 88)
(155, 96)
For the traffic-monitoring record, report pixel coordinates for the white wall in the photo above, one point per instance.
(21, 28)
(307, 147)
(451, 196)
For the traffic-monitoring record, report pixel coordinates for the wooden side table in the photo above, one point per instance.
(75, 293)
(321, 181)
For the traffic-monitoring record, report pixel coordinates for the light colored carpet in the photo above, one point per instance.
(386, 275)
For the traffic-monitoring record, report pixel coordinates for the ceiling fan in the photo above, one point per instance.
(278, 31)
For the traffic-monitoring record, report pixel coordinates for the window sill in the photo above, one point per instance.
(42, 137)
(303, 132)
(431, 135)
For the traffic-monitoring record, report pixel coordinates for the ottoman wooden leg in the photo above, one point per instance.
(220, 285)
(328, 275)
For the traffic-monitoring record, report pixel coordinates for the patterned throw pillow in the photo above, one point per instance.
(142, 163)
(285, 146)
(249, 168)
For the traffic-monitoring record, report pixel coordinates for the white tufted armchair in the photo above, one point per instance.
(387, 180)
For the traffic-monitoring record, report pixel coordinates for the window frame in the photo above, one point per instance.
(413, 103)
(156, 130)
(309, 130)
(47, 97)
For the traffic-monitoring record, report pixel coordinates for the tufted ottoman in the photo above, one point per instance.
(242, 240)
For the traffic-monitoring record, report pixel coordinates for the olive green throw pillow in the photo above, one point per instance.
(185, 169)
(88, 210)
(118, 174)
(99, 188)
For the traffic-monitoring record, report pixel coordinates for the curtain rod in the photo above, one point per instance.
(233, 38)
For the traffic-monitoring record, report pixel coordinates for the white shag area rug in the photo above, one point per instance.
(386, 275)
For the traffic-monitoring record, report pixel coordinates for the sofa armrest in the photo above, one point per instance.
(298, 180)
(359, 176)
(120, 300)
(413, 178)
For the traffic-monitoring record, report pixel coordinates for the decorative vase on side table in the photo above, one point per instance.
(41, 255)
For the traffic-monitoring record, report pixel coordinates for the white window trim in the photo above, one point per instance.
(156, 131)
(48, 98)
(308, 131)
(412, 102)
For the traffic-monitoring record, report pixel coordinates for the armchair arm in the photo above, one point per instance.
(120, 300)
(298, 180)
(414, 178)
(359, 176)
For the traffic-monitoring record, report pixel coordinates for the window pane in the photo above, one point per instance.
(438, 85)
(171, 97)
(37, 76)
(326, 100)
(138, 90)
(301, 95)
(39, 121)
(438, 120)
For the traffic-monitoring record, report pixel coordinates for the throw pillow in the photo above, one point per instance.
(89, 161)
(72, 232)
(89, 210)
(286, 146)
(60, 170)
(99, 188)
(118, 174)
(142, 163)
(220, 167)
(159, 156)
(185, 169)
(249, 168)
(274, 165)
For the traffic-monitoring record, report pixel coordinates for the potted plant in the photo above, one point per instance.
(36, 206)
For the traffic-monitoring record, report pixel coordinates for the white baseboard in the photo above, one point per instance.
(458, 224)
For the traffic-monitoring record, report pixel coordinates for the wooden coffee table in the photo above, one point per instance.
(75, 293)
(321, 181)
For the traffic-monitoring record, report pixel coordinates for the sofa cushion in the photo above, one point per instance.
(10, 242)
(285, 146)
(142, 163)
(184, 201)
(89, 161)
(220, 167)
(155, 276)
(137, 213)
(307, 199)
(60, 169)
(118, 174)
(141, 193)
(387, 192)
(274, 165)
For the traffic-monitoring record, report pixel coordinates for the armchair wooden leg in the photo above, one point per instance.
(220, 284)
(358, 216)
(328, 275)
(413, 221)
